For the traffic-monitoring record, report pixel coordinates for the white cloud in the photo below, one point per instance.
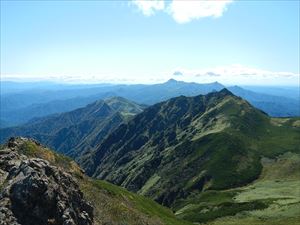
(148, 7)
(177, 73)
(184, 11)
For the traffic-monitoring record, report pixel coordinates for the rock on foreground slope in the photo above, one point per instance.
(34, 192)
(41, 187)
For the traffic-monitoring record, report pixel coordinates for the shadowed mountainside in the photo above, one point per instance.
(74, 132)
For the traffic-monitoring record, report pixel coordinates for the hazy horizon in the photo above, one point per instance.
(161, 81)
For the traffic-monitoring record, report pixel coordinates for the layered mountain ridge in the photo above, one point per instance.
(189, 145)
(20, 104)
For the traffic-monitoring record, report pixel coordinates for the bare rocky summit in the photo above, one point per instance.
(33, 192)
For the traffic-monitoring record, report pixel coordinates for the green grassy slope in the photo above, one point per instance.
(274, 198)
(116, 205)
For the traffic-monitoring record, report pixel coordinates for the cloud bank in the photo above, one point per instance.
(177, 73)
(238, 74)
(184, 11)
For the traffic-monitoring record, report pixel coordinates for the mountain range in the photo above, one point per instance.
(277, 106)
(212, 159)
(22, 104)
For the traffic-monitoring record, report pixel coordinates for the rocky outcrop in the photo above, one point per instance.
(33, 192)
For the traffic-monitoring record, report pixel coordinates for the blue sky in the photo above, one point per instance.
(237, 42)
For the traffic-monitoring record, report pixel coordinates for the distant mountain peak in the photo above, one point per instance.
(216, 82)
(172, 81)
(236, 87)
(119, 98)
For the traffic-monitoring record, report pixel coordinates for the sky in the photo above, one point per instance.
(232, 42)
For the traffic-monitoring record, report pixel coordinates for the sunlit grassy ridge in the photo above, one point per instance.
(126, 207)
